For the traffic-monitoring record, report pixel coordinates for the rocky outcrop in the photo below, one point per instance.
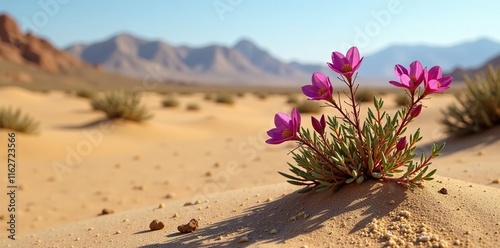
(28, 48)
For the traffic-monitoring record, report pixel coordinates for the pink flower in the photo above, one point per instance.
(321, 88)
(319, 125)
(401, 144)
(286, 127)
(346, 65)
(415, 111)
(435, 82)
(410, 80)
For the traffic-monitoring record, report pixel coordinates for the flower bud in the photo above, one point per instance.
(415, 111)
(319, 125)
(401, 144)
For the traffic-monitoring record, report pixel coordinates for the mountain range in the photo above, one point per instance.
(247, 63)
(243, 63)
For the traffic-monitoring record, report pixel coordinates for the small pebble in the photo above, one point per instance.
(118, 232)
(156, 225)
(443, 191)
(496, 181)
(274, 231)
(161, 205)
(244, 239)
(170, 195)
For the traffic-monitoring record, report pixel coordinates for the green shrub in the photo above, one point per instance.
(261, 95)
(193, 107)
(364, 95)
(478, 106)
(170, 102)
(224, 98)
(122, 105)
(85, 93)
(311, 107)
(16, 121)
(403, 99)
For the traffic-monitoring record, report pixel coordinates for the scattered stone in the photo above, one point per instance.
(218, 238)
(480, 153)
(189, 227)
(197, 202)
(126, 220)
(273, 231)
(208, 174)
(216, 165)
(270, 199)
(161, 205)
(392, 202)
(156, 225)
(443, 191)
(170, 195)
(496, 181)
(139, 187)
(118, 232)
(244, 239)
(106, 211)
(405, 214)
(423, 238)
(90, 229)
(136, 158)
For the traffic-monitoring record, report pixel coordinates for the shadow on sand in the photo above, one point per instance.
(456, 144)
(360, 202)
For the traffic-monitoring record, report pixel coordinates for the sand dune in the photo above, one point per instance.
(80, 164)
(371, 214)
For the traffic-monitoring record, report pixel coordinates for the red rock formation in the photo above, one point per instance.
(18, 47)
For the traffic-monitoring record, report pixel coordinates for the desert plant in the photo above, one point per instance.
(122, 105)
(170, 102)
(364, 95)
(85, 93)
(308, 107)
(403, 99)
(16, 121)
(224, 98)
(193, 107)
(351, 150)
(477, 107)
(261, 95)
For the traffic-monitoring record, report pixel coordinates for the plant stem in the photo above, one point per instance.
(334, 167)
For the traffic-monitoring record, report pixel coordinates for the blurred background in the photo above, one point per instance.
(247, 43)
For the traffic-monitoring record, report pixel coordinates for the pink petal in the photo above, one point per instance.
(319, 80)
(399, 70)
(338, 58)
(282, 120)
(446, 81)
(310, 91)
(353, 55)
(416, 68)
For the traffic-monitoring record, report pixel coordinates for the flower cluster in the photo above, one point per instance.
(353, 151)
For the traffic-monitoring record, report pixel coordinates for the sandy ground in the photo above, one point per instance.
(77, 166)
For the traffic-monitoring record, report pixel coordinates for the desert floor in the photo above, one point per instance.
(216, 157)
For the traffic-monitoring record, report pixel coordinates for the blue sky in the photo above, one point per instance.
(307, 30)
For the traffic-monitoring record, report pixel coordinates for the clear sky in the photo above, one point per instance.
(303, 30)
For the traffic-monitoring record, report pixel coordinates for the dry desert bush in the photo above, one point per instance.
(122, 105)
(477, 107)
(16, 121)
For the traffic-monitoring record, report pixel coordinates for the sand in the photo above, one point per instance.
(78, 165)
